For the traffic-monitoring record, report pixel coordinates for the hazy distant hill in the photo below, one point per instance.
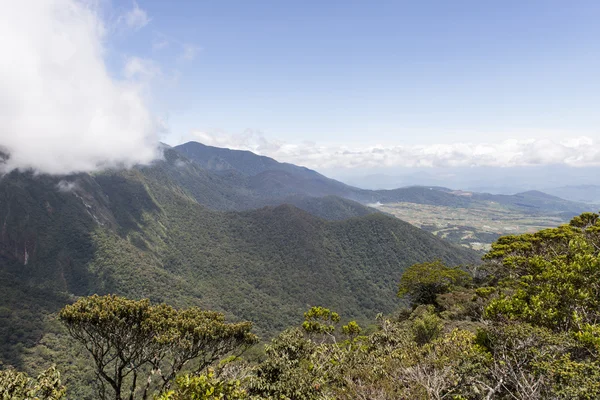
(270, 182)
(581, 193)
(536, 202)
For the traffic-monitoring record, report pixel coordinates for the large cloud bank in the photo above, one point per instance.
(60, 111)
(575, 152)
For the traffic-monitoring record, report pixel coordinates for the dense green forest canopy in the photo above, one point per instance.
(523, 325)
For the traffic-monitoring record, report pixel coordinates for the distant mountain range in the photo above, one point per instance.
(579, 193)
(266, 181)
(497, 180)
(463, 217)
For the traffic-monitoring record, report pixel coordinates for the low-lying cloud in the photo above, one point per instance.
(66, 186)
(576, 152)
(60, 110)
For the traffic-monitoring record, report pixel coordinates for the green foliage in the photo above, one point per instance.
(561, 293)
(19, 386)
(24, 318)
(130, 340)
(204, 387)
(352, 329)
(423, 282)
(447, 367)
(463, 304)
(289, 371)
(514, 252)
(385, 365)
(572, 379)
(528, 361)
(552, 278)
(549, 280)
(320, 320)
(254, 262)
(426, 325)
(145, 233)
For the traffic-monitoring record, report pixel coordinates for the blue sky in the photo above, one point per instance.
(390, 72)
(340, 86)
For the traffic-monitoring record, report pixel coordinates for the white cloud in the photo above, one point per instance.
(136, 18)
(577, 152)
(66, 186)
(60, 111)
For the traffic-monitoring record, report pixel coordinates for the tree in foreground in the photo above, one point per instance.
(552, 279)
(139, 348)
(422, 283)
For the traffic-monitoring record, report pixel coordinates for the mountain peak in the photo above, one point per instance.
(538, 194)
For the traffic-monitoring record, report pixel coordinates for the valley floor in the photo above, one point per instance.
(474, 227)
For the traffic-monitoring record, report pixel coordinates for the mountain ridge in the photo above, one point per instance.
(267, 177)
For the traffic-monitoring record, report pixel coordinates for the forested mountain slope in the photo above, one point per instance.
(143, 233)
(330, 207)
(232, 190)
(245, 162)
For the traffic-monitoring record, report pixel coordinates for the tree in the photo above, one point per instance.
(551, 283)
(441, 369)
(138, 347)
(19, 386)
(511, 255)
(528, 362)
(562, 294)
(306, 363)
(421, 283)
(426, 325)
(320, 321)
(544, 332)
(290, 370)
